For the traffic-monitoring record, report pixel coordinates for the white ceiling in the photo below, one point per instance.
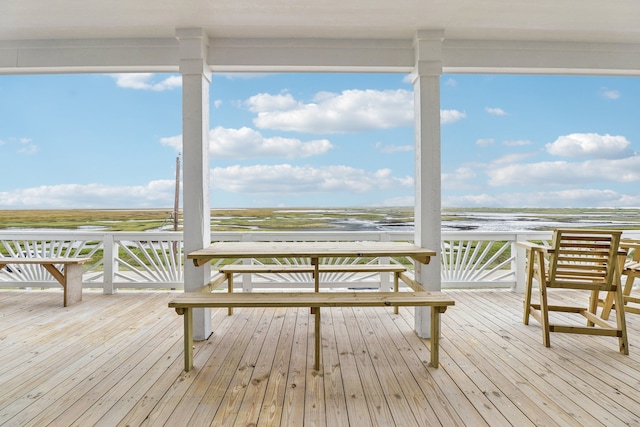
(563, 20)
(581, 26)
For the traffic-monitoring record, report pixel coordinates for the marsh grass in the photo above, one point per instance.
(281, 219)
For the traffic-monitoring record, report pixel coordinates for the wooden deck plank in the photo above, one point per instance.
(189, 387)
(481, 410)
(204, 398)
(294, 395)
(514, 397)
(256, 387)
(273, 402)
(60, 363)
(118, 375)
(332, 373)
(237, 389)
(533, 376)
(592, 376)
(386, 370)
(374, 395)
(124, 366)
(353, 387)
(417, 401)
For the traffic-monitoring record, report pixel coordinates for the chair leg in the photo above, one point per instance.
(529, 286)
(621, 321)
(544, 316)
(628, 286)
(593, 305)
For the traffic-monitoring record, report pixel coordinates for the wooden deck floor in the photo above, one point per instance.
(116, 360)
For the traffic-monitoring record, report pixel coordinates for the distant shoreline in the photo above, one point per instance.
(322, 219)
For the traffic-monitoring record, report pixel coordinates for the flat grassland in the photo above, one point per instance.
(313, 219)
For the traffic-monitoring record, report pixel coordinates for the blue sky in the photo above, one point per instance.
(320, 140)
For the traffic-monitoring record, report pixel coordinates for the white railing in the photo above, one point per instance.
(155, 259)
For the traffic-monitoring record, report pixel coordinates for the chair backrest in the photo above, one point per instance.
(583, 259)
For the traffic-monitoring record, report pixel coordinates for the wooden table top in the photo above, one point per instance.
(220, 250)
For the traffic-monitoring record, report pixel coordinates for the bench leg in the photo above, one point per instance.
(230, 290)
(70, 279)
(188, 339)
(317, 339)
(435, 336)
(73, 288)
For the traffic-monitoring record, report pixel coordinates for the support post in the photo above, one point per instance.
(196, 78)
(427, 210)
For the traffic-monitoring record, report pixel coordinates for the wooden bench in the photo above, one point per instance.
(227, 272)
(184, 305)
(70, 276)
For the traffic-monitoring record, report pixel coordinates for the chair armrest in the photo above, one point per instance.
(631, 244)
(534, 247)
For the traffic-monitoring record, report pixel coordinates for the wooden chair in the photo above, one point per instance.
(578, 259)
(631, 270)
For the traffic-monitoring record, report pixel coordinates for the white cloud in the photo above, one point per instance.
(285, 178)
(610, 93)
(144, 81)
(66, 196)
(391, 148)
(589, 144)
(451, 82)
(451, 116)
(349, 111)
(29, 149)
(247, 143)
(24, 145)
(566, 173)
(463, 177)
(575, 198)
(551, 199)
(495, 111)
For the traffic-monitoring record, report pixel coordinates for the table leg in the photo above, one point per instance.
(317, 338)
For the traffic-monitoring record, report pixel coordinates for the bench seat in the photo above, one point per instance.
(227, 272)
(322, 268)
(184, 305)
(70, 277)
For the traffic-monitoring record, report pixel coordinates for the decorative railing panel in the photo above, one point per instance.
(47, 245)
(156, 260)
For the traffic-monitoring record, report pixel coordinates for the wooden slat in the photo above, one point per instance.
(116, 360)
(323, 268)
(311, 299)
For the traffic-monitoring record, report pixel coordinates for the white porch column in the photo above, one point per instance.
(196, 78)
(426, 86)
